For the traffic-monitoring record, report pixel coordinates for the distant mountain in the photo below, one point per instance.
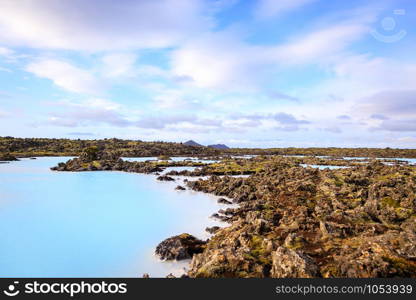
(219, 146)
(192, 143)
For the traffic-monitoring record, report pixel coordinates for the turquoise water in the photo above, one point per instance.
(92, 224)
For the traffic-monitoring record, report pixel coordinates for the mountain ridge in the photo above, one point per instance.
(218, 146)
(193, 143)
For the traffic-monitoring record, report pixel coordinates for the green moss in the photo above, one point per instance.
(297, 244)
(257, 251)
(403, 213)
(389, 202)
(184, 235)
(164, 157)
(96, 164)
(242, 274)
(211, 271)
(235, 167)
(403, 266)
(91, 152)
(269, 214)
(338, 181)
(389, 176)
(330, 271)
(354, 202)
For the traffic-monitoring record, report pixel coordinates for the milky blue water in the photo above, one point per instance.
(92, 224)
(410, 161)
(173, 158)
(322, 167)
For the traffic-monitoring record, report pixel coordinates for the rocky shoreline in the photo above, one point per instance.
(179, 247)
(92, 159)
(305, 222)
(7, 157)
(292, 221)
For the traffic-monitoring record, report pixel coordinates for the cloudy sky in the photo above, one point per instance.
(266, 73)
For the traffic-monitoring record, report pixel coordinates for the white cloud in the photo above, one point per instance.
(119, 64)
(223, 60)
(100, 24)
(318, 46)
(87, 112)
(170, 99)
(389, 103)
(377, 93)
(66, 76)
(151, 71)
(9, 55)
(407, 140)
(366, 86)
(5, 51)
(4, 114)
(211, 60)
(93, 103)
(2, 69)
(177, 99)
(272, 8)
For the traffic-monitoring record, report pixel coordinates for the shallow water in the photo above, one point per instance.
(247, 156)
(173, 158)
(92, 224)
(410, 161)
(322, 167)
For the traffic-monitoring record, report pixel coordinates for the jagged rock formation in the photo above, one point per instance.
(165, 178)
(212, 229)
(224, 201)
(179, 247)
(93, 159)
(7, 157)
(305, 222)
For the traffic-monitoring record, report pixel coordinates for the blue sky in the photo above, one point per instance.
(264, 73)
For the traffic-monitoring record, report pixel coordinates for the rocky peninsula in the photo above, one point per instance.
(94, 159)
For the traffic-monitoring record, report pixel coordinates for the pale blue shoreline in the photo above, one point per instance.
(92, 224)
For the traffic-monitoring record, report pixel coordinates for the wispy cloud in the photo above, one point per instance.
(271, 8)
(87, 112)
(119, 64)
(2, 69)
(100, 25)
(66, 76)
(225, 60)
(81, 133)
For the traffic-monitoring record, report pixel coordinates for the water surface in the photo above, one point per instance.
(92, 224)
(323, 167)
